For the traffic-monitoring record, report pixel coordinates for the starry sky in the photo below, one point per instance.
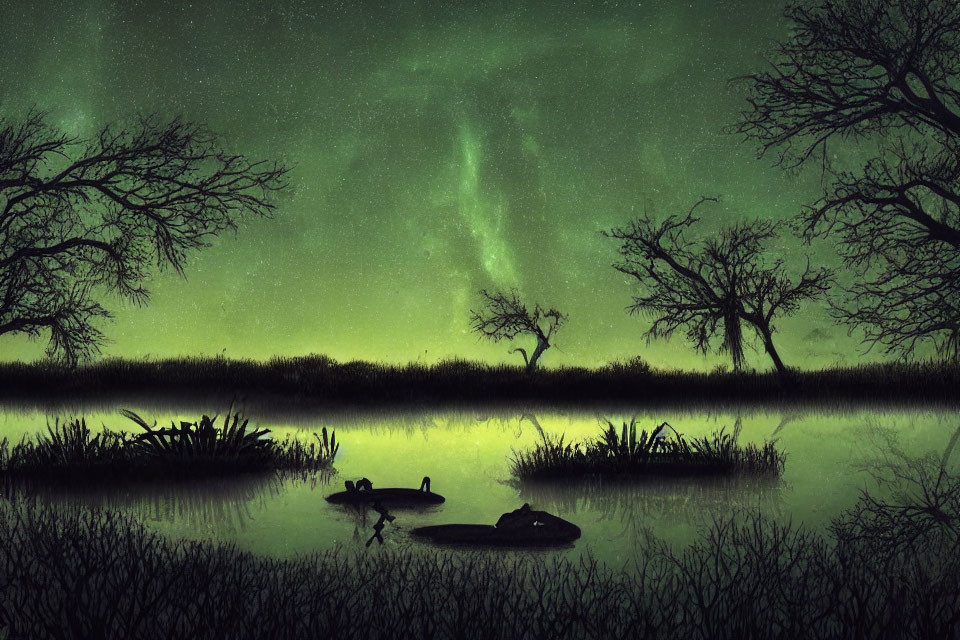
(436, 148)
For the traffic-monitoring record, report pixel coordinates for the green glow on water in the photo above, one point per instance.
(467, 457)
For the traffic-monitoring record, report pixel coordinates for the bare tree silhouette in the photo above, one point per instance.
(82, 217)
(712, 286)
(885, 76)
(504, 317)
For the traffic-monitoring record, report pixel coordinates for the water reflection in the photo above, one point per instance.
(467, 455)
(224, 503)
(633, 507)
(786, 418)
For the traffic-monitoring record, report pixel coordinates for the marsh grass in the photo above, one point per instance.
(68, 448)
(73, 443)
(231, 446)
(320, 380)
(71, 451)
(633, 453)
(293, 455)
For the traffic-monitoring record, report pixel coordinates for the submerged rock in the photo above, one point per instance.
(363, 493)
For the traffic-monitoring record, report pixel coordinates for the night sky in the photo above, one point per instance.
(436, 149)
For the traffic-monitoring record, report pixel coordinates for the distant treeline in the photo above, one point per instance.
(321, 381)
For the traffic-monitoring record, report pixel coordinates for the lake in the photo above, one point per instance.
(467, 456)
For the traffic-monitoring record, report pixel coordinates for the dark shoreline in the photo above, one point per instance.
(313, 382)
(100, 573)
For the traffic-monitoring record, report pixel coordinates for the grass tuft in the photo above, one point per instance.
(72, 451)
(70, 447)
(294, 455)
(202, 442)
(629, 453)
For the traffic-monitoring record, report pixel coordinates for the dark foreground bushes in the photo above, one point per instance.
(888, 569)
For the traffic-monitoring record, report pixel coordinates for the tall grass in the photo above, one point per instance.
(321, 381)
(189, 449)
(202, 442)
(291, 454)
(69, 448)
(73, 444)
(630, 452)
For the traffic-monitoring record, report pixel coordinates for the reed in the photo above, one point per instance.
(71, 451)
(294, 455)
(69, 448)
(632, 453)
(203, 443)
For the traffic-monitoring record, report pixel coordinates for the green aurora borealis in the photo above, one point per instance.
(437, 148)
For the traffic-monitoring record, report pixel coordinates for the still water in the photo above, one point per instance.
(467, 456)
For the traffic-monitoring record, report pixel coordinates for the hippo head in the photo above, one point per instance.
(526, 518)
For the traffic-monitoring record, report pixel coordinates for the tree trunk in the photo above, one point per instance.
(542, 345)
(733, 339)
(772, 351)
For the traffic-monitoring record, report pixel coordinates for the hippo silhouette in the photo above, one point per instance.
(522, 527)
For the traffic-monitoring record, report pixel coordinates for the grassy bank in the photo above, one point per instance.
(320, 380)
(629, 453)
(880, 573)
(71, 451)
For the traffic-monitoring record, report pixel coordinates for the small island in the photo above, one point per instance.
(630, 454)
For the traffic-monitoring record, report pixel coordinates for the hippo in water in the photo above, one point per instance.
(522, 527)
